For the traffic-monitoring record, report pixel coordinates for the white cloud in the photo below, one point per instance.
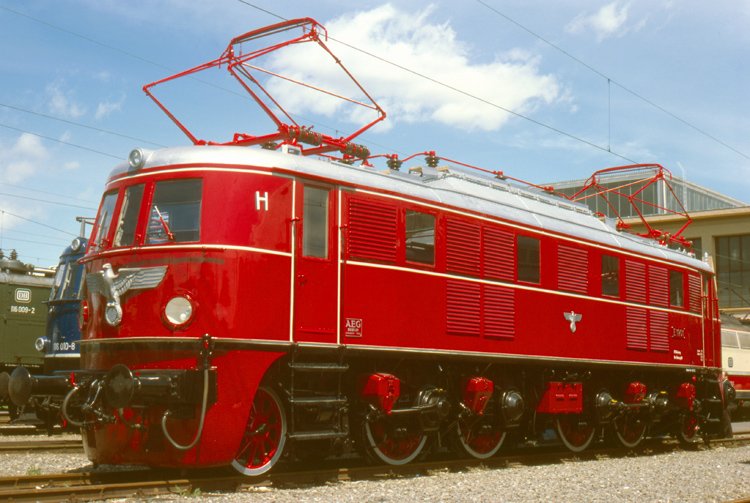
(609, 21)
(512, 80)
(20, 162)
(105, 108)
(61, 102)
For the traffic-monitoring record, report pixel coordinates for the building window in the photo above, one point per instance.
(697, 247)
(676, 289)
(131, 205)
(610, 276)
(733, 270)
(315, 223)
(528, 259)
(175, 212)
(420, 237)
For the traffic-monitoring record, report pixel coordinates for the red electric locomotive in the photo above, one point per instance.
(247, 303)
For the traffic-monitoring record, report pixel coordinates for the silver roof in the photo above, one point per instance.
(496, 198)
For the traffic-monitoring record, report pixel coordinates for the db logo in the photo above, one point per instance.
(23, 295)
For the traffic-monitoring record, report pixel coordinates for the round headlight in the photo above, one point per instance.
(178, 310)
(137, 158)
(41, 344)
(76, 244)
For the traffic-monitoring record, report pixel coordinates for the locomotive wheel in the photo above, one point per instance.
(575, 433)
(687, 429)
(629, 429)
(265, 435)
(393, 441)
(478, 437)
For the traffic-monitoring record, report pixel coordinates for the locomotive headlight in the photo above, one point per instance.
(76, 244)
(136, 158)
(41, 344)
(179, 310)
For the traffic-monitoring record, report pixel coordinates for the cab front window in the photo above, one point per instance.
(131, 205)
(175, 212)
(104, 221)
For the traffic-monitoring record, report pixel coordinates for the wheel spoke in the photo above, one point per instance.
(575, 433)
(630, 429)
(478, 437)
(265, 435)
(394, 442)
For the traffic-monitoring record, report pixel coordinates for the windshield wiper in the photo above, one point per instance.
(164, 224)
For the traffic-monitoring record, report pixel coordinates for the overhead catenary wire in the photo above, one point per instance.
(5, 212)
(45, 201)
(79, 124)
(610, 80)
(539, 123)
(63, 142)
(461, 91)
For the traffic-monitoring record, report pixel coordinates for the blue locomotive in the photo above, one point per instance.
(31, 390)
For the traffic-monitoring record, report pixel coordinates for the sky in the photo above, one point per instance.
(544, 91)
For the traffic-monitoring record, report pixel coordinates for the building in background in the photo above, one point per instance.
(720, 228)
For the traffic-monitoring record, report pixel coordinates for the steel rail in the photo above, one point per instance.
(146, 483)
(41, 445)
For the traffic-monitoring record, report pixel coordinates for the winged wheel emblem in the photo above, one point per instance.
(112, 286)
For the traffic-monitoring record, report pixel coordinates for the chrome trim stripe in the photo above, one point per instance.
(165, 170)
(339, 260)
(293, 266)
(519, 287)
(195, 247)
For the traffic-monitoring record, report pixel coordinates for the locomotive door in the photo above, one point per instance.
(316, 254)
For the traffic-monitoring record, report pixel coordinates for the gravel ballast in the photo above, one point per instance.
(716, 474)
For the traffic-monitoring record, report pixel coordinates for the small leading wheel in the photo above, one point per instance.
(687, 429)
(575, 432)
(393, 441)
(265, 435)
(479, 437)
(629, 428)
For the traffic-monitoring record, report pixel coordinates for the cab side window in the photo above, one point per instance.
(420, 237)
(315, 223)
(528, 259)
(610, 276)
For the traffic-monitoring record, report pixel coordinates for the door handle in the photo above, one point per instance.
(301, 279)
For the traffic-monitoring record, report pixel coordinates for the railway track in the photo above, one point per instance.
(83, 486)
(40, 445)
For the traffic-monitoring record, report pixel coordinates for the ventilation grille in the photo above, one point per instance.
(635, 282)
(499, 254)
(694, 291)
(462, 247)
(372, 231)
(658, 331)
(636, 328)
(463, 305)
(658, 286)
(499, 312)
(572, 269)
